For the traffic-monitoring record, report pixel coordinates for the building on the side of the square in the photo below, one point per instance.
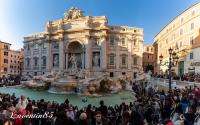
(15, 61)
(84, 42)
(148, 58)
(4, 57)
(183, 35)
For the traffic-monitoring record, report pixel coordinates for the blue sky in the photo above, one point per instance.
(19, 18)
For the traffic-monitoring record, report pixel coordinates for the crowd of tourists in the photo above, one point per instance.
(151, 107)
(9, 81)
(191, 77)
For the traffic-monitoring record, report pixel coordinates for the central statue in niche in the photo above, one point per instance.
(75, 56)
(73, 62)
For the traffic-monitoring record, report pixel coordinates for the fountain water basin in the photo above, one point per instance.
(64, 84)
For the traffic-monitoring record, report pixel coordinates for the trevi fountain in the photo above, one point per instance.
(76, 80)
(77, 64)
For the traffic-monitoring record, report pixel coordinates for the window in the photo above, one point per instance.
(44, 45)
(148, 56)
(28, 47)
(166, 41)
(5, 69)
(192, 26)
(28, 62)
(36, 46)
(6, 47)
(112, 41)
(123, 42)
(191, 55)
(193, 12)
(191, 40)
(44, 61)
(151, 49)
(35, 61)
(135, 75)
(123, 60)
(111, 59)
(174, 26)
(5, 53)
(5, 60)
(147, 49)
(181, 20)
(181, 32)
(55, 45)
(111, 74)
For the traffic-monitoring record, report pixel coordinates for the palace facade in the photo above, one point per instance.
(16, 60)
(11, 61)
(148, 58)
(84, 42)
(4, 51)
(182, 34)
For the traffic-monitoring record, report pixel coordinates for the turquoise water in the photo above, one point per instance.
(124, 96)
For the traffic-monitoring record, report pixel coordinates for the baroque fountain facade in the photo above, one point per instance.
(78, 51)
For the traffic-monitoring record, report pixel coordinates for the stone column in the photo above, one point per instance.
(83, 58)
(88, 55)
(66, 60)
(49, 58)
(103, 57)
(117, 57)
(61, 55)
(129, 61)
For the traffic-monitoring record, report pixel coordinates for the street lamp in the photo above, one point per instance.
(173, 60)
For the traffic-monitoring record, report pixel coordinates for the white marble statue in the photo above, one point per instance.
(73, 62)
(73, 13)
(56, 60)
(96, 60)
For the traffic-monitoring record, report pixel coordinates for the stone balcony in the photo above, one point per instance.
(35, 51)
(43, 67)
(123, 66)
(44, 51)
(111, 66)
(35, 67)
